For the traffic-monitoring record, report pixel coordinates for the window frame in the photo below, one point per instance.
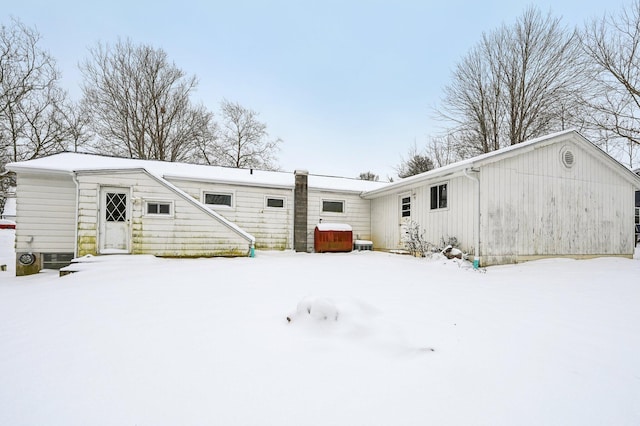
(275, 197)
(330, 200)
(438, 188)
(402, 204)
(231, 194)
(148, 202)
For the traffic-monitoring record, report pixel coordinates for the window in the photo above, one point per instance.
(439, 196)
(158, 207)
(274, 202)
(215, 199)
(329, 206)
(406, 206)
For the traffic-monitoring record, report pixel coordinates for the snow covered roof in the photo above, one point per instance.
(493, 156)
(69, 162)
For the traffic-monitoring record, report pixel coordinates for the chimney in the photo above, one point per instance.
(300, 209)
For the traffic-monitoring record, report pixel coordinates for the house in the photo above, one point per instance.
(73, 204)
(554, 196)
(558, 195)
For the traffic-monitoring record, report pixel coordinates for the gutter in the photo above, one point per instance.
(74, 177)
(476, 259)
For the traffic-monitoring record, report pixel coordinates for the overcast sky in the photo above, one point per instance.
(348, 86)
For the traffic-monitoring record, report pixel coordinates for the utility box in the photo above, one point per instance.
(333, 237)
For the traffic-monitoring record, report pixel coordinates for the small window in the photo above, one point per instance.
(439, 196)
(332, 206)
(218, 199)
(406, 206)
(157, 207)
(276, 203)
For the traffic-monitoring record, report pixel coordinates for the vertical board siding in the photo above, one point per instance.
(271, 227)
(455, 221)
(188, 232)
(553, 210)
(45, 210)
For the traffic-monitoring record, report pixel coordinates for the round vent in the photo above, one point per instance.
(568, 158)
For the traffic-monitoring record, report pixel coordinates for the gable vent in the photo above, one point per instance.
(568, 158)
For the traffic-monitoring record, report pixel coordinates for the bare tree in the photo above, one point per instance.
(369, 176)
(139, 103)
(416, 163)
(612, 50)
(443, 150)
(243, 140)
(30, 97)
(519, 82)
(77, 123)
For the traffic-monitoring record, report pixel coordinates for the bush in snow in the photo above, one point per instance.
(414, 241)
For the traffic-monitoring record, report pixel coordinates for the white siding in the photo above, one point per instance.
(46, 213)
(455, 221)
(189, 232)
(356, 213)
(272, 227)
(534, 206)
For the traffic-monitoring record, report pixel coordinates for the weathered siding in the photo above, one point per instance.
(189, 231)
(454, 221)
(534, 206)
(46, 211)
(356, 214)
(272, 227)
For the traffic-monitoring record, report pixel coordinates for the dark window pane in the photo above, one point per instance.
(434, 197)
(116, 207)
(152, 208)
(443, 196)
(275, 202)
(164, 209)
(406, 206)
(218, 199)
(333, 206)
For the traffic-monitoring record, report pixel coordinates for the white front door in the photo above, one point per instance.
(114, 220)
(404, 216)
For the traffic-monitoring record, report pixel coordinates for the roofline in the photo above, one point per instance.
(227, 182)
(498, 155)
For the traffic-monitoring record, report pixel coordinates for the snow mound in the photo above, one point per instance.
(318, 309)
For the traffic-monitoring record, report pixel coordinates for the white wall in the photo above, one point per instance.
(532, 205)
(46, 213)
(272, 227)
(437, 224)
(187, 232)
(357, 213)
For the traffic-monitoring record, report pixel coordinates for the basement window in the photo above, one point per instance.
(439, 196)
(158, 208)
(218, 199)
(332, 206)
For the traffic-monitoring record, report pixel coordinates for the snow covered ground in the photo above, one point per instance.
(135, 340)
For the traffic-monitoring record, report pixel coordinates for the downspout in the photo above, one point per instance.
(75, 243)
(476, 259)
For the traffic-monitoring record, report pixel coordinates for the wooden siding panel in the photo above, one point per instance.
(578, 211)
(190, 232)
(45, 213)
(272, 227)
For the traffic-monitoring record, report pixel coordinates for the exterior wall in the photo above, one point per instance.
(46, 210)
(534, 206)
(188, 232)
(272, 227)
(439, 224)
(357, 213)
